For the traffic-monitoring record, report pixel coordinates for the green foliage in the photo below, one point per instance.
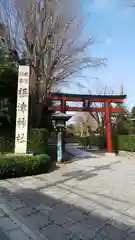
(17, 166)
(37, 140)
(85, 141)
(8, 89)
(123, 120)
(120, 142)
(126, 143)
(124, 125)
(133, 112)
(98, 141)
(6, 61)
(7, 140)
(102, 142)
(133, 120)
(6, 145)
(8, 84)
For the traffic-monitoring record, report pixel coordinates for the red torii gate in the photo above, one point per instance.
(86, 101)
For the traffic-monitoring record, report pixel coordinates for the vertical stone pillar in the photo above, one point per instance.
(22, 110)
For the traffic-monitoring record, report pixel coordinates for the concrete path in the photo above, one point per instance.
(78, 152)
(92, 198)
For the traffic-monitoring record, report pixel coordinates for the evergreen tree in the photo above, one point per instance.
(8, 90)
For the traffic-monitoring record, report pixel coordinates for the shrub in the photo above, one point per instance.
(101, 142)
(7, 140)
(37, 140)
(126, 143)
(120, 142)
(6, 145)
(85, 141)
(17, 166)
(98, 141)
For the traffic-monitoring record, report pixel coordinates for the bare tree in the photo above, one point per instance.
(98, 116)
(122, 121)
(85, 124)
(49, 34)
(81, 125)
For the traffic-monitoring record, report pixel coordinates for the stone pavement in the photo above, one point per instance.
(78, 152)
(89, 199)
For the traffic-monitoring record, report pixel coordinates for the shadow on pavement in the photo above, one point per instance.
(82, 175)
(67, 217)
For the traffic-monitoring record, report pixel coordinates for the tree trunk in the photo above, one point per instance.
(34, 104)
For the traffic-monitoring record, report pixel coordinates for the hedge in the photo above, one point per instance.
(99, 141)
(17, 166)
(120, 142)
(37, 141)
(126, 143)
(6, 144)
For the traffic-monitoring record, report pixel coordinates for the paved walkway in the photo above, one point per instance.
(81, 154)
(78, 152)
(91, 198)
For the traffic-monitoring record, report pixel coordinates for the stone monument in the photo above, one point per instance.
(22, 110)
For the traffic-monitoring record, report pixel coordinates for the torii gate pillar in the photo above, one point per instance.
(108, 128)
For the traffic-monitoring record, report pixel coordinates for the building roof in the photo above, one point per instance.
(86, 96)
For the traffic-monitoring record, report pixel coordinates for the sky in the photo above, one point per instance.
(112, 25)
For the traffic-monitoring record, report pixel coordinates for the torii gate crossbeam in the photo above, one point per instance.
(86, 101)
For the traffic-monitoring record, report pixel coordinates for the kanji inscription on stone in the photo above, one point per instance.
(22, 110)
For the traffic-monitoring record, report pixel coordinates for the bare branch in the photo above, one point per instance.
(49, 33)
(131, 3)
(98, 116)
(51, 37)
